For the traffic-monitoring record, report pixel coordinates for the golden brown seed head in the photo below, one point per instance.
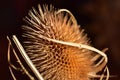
(56, 61)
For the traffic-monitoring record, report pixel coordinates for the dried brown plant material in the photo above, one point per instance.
(58, 47)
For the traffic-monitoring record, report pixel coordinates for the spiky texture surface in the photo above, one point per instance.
(56, 61)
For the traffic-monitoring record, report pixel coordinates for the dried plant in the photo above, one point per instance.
(59, 49)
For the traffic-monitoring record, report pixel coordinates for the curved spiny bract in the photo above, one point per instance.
(56, 61)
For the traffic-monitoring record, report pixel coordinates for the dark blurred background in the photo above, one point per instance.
(99, 18)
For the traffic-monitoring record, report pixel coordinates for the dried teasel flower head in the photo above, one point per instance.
(58, 47)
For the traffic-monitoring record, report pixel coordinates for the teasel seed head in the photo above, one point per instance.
(54, 60)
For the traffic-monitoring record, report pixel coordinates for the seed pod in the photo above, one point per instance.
(54, 60)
